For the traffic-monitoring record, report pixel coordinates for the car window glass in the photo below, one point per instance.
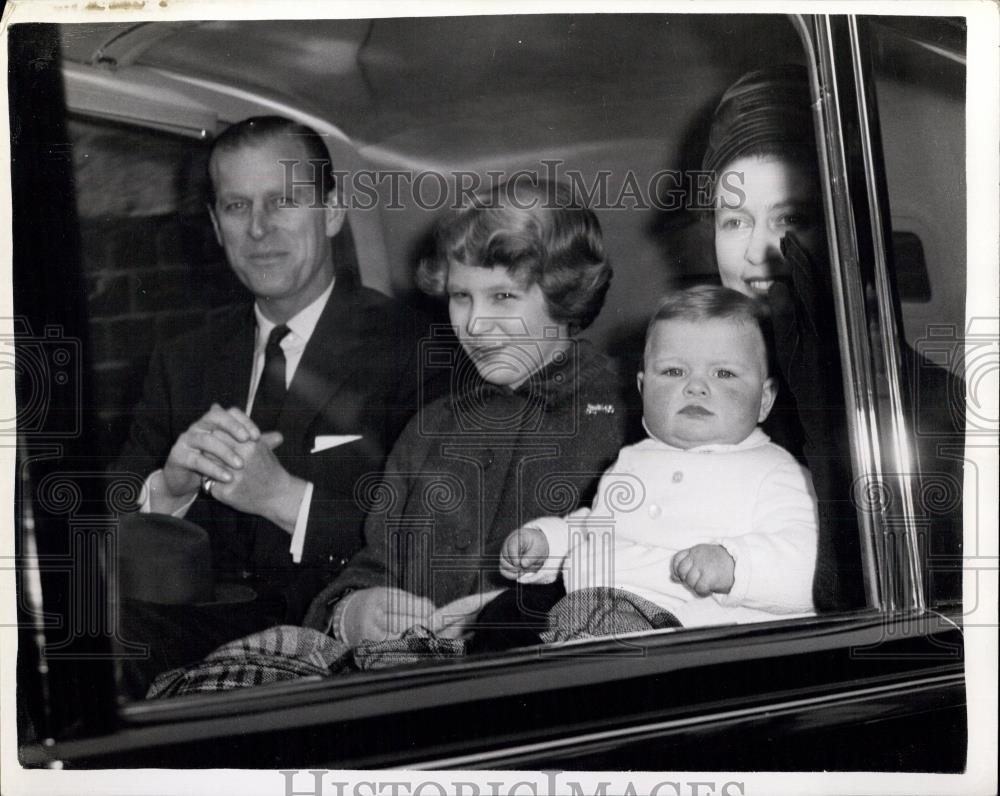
(154, 269)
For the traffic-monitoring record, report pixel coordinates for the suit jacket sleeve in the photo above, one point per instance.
(151, 434)
(185, 376)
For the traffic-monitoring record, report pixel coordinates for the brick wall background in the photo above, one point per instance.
(151, 263)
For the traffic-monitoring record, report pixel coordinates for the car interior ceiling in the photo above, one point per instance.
(598, 92)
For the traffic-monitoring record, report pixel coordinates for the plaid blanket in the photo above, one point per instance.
(415, 645)
(287, 653)
(270, 656)
(604, 612)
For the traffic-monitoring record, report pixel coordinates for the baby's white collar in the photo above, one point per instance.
(755, 438)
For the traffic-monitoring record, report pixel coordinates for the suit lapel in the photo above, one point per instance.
(326, 363)
(228, 380)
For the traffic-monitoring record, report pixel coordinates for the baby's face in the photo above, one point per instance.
(705, 382)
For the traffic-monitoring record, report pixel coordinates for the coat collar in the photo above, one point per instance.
(228, 381)
(551, 387)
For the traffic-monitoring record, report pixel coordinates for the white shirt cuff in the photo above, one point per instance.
(301, 521)
(154, 483)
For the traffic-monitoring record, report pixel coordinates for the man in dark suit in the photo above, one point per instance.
(258, 426)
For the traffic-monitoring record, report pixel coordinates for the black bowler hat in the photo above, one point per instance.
(168, 560)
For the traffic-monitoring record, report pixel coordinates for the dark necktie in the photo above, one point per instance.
(270, 393)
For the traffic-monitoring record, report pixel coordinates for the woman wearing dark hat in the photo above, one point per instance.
(761, 149)
(770, 242)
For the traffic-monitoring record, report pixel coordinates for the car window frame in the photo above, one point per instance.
(320, 706)
(884, 461)
(848, 201)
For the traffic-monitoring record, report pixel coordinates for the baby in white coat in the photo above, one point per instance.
(706, 518)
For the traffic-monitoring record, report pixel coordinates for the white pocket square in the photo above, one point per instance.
(327, 441)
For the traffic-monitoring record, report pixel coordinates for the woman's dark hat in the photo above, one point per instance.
(764, 111)
(168, 560)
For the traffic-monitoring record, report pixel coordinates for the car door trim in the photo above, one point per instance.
(905, 460)
(627, 734)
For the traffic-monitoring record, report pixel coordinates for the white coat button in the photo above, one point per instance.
(655, 511)
(678, 477)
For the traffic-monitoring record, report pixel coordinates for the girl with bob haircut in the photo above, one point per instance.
(535, 230)
(533, 417)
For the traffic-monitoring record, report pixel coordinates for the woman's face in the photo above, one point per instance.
(758, 200)
(503, 324)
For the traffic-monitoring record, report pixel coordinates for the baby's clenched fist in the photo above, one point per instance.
(705, 569)
(523, 551)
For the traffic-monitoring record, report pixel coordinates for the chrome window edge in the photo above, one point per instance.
(852, 327)
(904, 455)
